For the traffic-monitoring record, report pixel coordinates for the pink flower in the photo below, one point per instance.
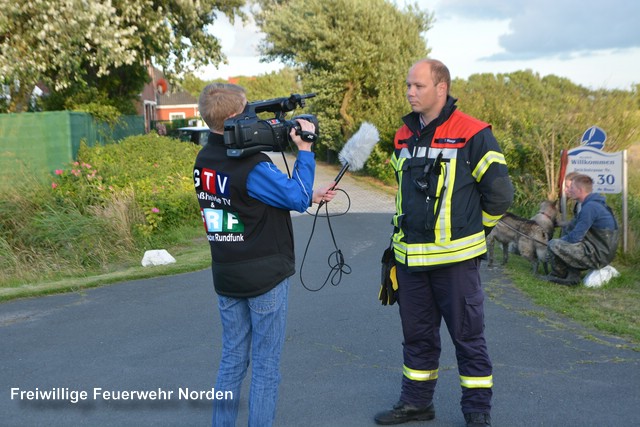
(59, 171)
(155, 210)
(54, 185)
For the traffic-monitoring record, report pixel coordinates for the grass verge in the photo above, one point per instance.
(190, 255)
(612, 309)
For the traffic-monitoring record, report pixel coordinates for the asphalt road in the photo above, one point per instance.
(342, 359)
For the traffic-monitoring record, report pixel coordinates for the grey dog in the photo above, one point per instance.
(547, 216)
(527, 236)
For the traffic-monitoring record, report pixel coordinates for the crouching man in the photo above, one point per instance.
(591, 239)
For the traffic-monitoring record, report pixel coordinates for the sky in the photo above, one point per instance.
(594, 43)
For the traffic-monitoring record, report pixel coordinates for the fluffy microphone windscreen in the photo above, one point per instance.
(358, 148)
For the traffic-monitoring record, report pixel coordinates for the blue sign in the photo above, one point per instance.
(594, 137)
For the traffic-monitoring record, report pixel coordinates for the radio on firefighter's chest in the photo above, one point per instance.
(426, 180)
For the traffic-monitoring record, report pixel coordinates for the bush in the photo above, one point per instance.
(105, 208)
(157, 169)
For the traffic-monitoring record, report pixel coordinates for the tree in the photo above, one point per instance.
(193, 84)
(354, 54)
(117, 89)
(70, 45)
(265, 86)
(534, 118)
(275, 84)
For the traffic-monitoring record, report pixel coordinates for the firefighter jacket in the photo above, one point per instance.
(251, 241)
(453, 187)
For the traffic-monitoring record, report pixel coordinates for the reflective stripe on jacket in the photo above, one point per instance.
(453, 187)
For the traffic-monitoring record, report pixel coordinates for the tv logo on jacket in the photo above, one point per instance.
(211, 182)
(213, 192)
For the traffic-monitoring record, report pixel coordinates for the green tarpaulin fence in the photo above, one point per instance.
(38, 143)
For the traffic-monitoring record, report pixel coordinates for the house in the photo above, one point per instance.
(177, 106)
(158, 103)
(148, 97)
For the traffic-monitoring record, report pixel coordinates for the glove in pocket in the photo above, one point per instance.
(388, 282)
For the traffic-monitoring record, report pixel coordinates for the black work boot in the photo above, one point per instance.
(477, 419)
(570, 279)
(573, 276)
(404, 412)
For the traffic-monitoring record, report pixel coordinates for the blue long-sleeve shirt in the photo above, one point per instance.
(270, 185)
(594, 213)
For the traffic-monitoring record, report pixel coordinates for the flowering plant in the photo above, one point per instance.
(80, 185)
(157, 170)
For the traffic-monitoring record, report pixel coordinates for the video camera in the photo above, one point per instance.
(247, 134)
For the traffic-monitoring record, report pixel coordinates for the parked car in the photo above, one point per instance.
(196, 134)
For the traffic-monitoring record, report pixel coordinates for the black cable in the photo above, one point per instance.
(339, 267)
(286, 164)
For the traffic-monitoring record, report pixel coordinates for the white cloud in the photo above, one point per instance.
(594, 43)
(561, 37)
(240, 44)
(547, 27)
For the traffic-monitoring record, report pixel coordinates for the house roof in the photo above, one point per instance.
(177, 98)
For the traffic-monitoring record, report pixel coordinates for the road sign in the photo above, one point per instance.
(594, 137)
(604, 168)
(608, 170)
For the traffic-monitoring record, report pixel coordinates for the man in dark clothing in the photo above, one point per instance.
(453, 187)
(567, 198)
(245, 204)
(591, 238)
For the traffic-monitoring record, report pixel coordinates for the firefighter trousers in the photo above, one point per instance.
(453, 293)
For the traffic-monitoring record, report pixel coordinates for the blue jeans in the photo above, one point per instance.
(252, 329)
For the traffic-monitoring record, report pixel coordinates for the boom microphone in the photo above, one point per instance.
(356, 151)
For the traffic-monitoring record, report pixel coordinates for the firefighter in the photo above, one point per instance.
(453, 187)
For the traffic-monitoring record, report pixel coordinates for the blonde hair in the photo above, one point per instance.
(218, 102)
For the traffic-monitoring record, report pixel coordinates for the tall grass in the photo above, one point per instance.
(49, 239)
(98, 213)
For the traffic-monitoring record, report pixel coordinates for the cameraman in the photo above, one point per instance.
(245, 204)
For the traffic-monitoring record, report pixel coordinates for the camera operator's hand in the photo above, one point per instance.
(305, 126)
(324, 194)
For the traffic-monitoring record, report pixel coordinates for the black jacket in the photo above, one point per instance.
(453, 187)
(251, 242)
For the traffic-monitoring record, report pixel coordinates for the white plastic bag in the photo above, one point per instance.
(597, 278)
